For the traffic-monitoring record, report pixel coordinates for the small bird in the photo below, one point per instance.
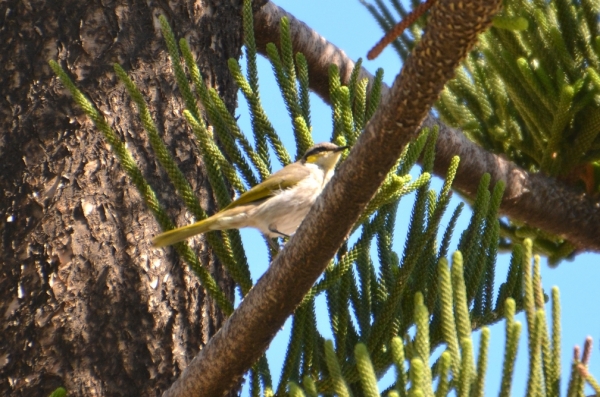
(275, 206)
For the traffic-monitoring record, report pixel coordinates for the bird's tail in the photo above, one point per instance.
(181, 233)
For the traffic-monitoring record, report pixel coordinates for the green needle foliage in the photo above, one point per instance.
(143, 187)
(531, 91)
(60, 392)
(455, 370)
(375, 295)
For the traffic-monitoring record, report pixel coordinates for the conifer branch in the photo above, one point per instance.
(535, 199)
(247, 333)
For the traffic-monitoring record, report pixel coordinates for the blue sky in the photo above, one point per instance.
(347, 24)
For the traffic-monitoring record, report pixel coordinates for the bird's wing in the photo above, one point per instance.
(282, 179)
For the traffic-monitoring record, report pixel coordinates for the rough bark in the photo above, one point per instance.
(452, 31)
(531, 198)
(85, 302)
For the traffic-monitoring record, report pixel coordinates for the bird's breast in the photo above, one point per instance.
(285, 211)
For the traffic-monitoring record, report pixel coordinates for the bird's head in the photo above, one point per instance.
(324, 155)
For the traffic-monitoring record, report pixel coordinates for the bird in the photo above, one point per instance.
(277, 205)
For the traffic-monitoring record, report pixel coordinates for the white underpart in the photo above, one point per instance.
(284, 212)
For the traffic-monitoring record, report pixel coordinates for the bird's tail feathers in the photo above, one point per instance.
(176, 235)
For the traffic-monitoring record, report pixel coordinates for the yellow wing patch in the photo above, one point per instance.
(282, 179)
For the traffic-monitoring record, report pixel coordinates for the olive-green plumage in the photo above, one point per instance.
(275, 206)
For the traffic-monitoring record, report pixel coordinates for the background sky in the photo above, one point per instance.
(348, 25)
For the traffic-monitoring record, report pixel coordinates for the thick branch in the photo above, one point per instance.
(535, 199)
(247, 333)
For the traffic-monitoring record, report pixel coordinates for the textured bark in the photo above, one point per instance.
(532, 198)
(85, 302)
(452, 31)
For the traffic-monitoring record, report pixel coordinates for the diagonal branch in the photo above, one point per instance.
(248, 332)
(532, 198)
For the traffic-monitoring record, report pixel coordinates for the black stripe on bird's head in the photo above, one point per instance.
(320, 151)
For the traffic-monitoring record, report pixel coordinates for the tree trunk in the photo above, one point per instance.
(85, 301)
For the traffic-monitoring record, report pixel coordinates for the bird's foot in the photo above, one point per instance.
(275, 231)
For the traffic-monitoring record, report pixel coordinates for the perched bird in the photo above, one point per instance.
(275, 206)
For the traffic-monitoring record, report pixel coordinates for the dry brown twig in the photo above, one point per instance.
(397, 29)
(530, 198)
(247, 333)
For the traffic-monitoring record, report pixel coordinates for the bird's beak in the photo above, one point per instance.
(342, 148)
